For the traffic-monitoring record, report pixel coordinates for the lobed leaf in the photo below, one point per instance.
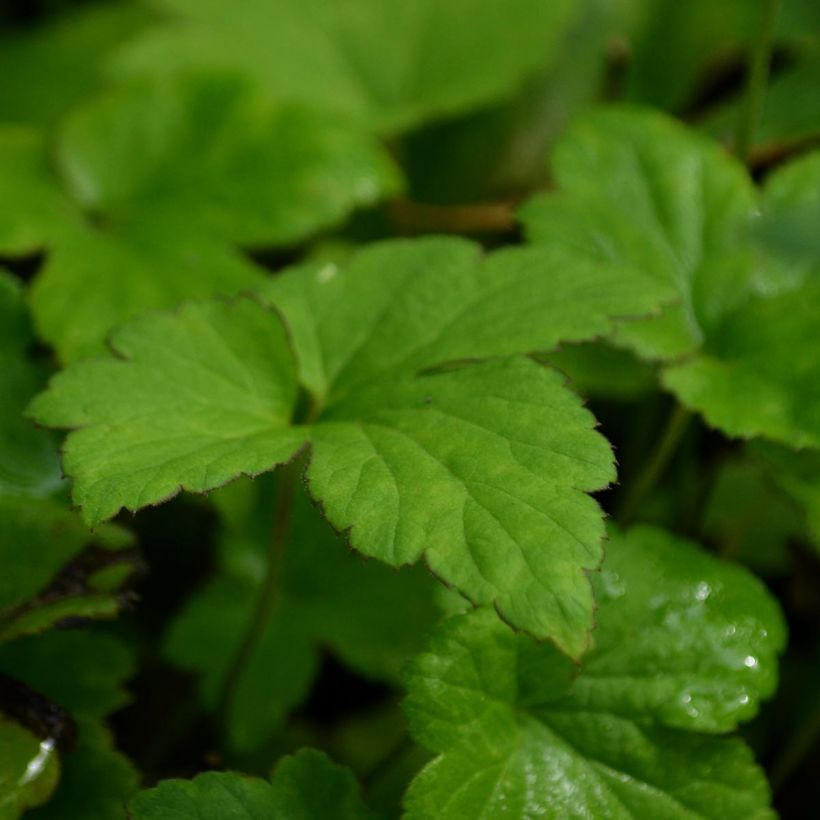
(739, 345)
(389, 66)
(305, 786)
(481, 469)
(521, 732)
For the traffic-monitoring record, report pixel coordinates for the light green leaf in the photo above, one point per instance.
(192, 400)
(391, 66)
(370, 617)
(401, 306)
(500, 451)
(305, 786)
(685, 645)
(211, 153)
(56, 63)
(41, 211)
(758, 374)
(641, 190)
(155, 184)
(29, 770)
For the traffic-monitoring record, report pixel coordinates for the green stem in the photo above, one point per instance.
(757, 77)
(268, 593)
(675, 427)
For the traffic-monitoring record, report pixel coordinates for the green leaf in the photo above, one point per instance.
(791, 115)
(389, 66)
(29, 770)
(686, 645)
(28, 456)
(153, 187)
(87, 688)
(57, 63)
(640, 190)
(39, 536)
(797, 475)
(192, 400)
(417, 304)
(482, 469)
(305, 786)
(50, 566)
(95, 780)
(371, 618)
(213, 154)
(757, 376)
(95, 783)
(749, 519)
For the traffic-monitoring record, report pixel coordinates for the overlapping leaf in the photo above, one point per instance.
(639, 190)
(372, 618)
(94, 781)
(480, 469)
(685, 646)
(388, 65)
(45, 578)
(155, 186)
(304, 786)
(55, 64)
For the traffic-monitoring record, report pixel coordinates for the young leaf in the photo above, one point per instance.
(159, 182)
(371, 618)
(686, 645)
(305, 786)
(391, 66)
(481, 469)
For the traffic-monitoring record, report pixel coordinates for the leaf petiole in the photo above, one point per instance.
(757, 79)
(268, 593)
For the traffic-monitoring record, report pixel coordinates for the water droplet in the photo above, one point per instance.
(702, 591)
(38, 762)
(326, 273)
(750, 661)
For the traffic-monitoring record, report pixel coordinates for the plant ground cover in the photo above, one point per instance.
(409, 409)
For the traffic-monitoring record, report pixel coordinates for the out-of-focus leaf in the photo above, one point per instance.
(152, 187)
(29, 769)
(389, 65)
(52, 66)
(305, 786)
(371, 617)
